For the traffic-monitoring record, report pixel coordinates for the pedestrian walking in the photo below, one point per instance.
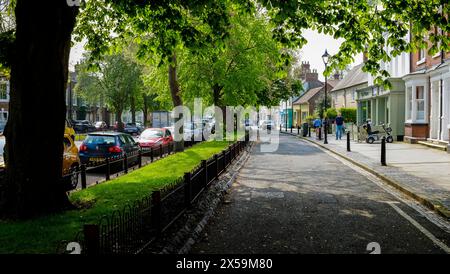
(339, 126)
(317, 124)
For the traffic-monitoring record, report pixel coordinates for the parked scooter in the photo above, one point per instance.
(376, 135)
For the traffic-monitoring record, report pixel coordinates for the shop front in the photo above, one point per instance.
(382, 106)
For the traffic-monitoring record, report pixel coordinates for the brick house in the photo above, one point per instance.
(427, 99)
(344, 93)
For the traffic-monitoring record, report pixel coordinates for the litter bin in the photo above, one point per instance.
(305, 128)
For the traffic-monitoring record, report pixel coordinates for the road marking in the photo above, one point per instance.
(427, 233)
(428, 214)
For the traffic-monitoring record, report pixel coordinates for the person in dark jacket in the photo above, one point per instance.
(339, 126)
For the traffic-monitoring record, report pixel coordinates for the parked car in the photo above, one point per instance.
(101, 125)
(70, 160)
(152, 137)
(266, 124)
(116, 125)
(83, 126)
(69, 129)
(140, 126)
(131, 128)
(250, 125)
(100, 145)
(193, 129)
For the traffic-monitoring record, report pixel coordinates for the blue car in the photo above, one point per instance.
(98, 146)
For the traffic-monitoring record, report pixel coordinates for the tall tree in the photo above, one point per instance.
(39, 64)
(116, 79)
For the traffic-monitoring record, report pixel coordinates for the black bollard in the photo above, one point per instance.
(348, 141)
(309, 131)
(383, 151)
(320, 133)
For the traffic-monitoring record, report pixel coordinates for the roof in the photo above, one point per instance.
(353, 78)
(307, 95)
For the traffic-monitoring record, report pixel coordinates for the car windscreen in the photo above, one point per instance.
(100, 140)
(152, 133)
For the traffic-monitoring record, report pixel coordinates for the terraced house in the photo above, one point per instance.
(427, 102)
(386, 105)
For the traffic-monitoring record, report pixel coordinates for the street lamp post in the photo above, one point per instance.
(286, 115)
(325, 58)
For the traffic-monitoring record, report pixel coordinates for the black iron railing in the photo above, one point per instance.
(117, 164)
(134, 227)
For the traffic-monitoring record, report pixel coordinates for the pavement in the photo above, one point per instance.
(303, 199)
(420, 172)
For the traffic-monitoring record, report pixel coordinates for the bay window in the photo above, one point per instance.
(409, 103)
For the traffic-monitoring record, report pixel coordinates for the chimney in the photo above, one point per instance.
(337, 75)
(305, 67)
(312, 76)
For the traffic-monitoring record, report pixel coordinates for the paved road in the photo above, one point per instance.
(300, 199)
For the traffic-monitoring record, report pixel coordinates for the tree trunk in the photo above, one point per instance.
(145, 109)
(106, 115)
(133, 109)
(39, 73)
(119, 120)
(176, 97)
(218, 102)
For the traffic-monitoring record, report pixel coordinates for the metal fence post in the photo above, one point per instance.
(156, 211)
(216, 162)
(309, 131)
(92, 239)
(160, 151)
(125, 163)
(108, 169)
(83, 176)
(348, 140)
(383, 151)
(320, 133)
(139, 158)
(151, 155)
(187, 189)
(298, 130)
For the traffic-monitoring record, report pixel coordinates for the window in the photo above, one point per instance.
(421, 56)
(3, 91)
(420, 103)
(409, 103)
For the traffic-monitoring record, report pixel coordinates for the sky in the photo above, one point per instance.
(312, 52)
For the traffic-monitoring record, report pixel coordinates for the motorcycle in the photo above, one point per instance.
(376, 135)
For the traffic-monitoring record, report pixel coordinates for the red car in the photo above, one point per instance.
(153, 137)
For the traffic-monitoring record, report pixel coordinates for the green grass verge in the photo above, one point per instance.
(45, 234)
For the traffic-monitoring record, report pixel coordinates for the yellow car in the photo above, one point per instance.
(69, 129)
(70, 160)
